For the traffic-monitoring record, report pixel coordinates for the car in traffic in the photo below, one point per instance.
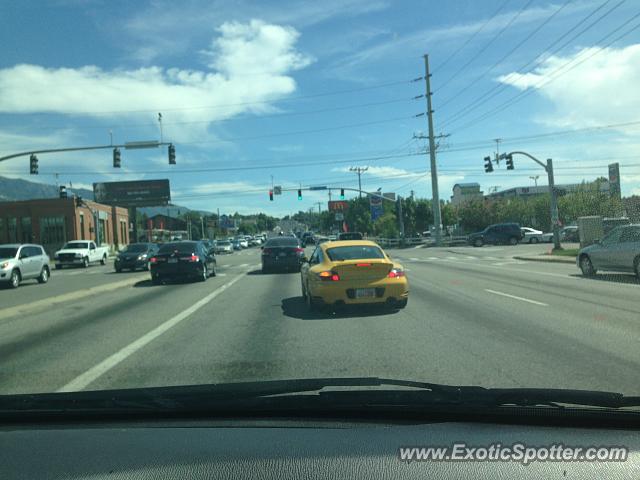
(352, 272)
(242, 242)
(499, 233)
(570, 233)
(350, 236)
(224, 247)
(618, 251)
(20, 262)
(531, 235)
(235, 244)
(135, 256)
(307, 239)
(182, 260)
(282, 253)
(80, 253)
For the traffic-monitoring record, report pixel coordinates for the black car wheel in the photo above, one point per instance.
(205, 274)
(304, 292)
(14, 279)
(513, 241)
(587, 267)
(534, 240)
(213, 270)
(312, 305)
(478, 242)
(85, 262)
(103, 260)
(44, 275)
(402, 303)
(636, 267)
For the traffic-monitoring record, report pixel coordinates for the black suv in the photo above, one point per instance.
(508, 233)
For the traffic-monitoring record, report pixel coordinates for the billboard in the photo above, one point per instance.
(137, 193)
(377, 210)
(390, 196)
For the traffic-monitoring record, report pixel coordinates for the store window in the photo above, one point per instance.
(3, 233)
(26, 232)
(12, 229)
(52, 231)
(82, 227)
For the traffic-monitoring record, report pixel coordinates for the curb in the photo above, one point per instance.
(546, 258)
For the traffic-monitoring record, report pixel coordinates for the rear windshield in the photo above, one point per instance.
(136, 247)
(354, 252)
(350, 236)
(181, 247)
(76, 245)
(282, 242)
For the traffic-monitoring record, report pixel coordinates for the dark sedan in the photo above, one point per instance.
(135, 256)
(178, 260)
(282, 253)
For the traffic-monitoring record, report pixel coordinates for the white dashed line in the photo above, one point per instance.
(502, 294)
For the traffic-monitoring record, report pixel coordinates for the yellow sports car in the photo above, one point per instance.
(352, 272)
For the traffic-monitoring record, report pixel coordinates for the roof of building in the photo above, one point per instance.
(471, 184)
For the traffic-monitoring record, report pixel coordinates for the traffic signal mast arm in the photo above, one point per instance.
(505, 155)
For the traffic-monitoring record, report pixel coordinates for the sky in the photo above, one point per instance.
(296, 93)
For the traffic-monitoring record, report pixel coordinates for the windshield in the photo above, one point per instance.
(354, 252)
(8, 252)
(365, 167)
(76, 245)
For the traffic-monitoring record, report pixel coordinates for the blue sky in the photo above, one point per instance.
(303, 90)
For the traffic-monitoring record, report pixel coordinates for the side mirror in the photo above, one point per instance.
(304, 260)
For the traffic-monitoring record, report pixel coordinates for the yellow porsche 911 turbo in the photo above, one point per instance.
(351, 273)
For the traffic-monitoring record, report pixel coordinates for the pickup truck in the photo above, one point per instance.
(80, 252)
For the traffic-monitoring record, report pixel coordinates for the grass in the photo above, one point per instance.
(566, 252)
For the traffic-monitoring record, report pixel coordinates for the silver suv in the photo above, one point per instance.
(20, 262)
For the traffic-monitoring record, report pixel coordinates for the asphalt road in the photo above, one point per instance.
(475, 316)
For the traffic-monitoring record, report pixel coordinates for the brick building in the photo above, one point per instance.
(53, 221)
(164, 222)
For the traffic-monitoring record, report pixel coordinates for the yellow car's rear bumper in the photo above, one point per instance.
(341, 292)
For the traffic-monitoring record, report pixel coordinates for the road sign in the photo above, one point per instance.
(319, 187)
(138, 193)
(145, 144)
(339, 216)
(277, 190)
(614, 180)
(390, 196)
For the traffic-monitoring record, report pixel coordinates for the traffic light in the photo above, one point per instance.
(63, 191)
(116, 158)
(342, 194)
(509, 162)
(271, 195)
(33, 165)
(299, 194)
(172, 154)
(488, 166)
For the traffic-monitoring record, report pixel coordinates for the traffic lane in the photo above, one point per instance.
(565, 342)
(76, 279)
(46, 350)
(259, 329)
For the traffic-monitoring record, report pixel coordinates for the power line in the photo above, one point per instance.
(470, 39)
(236, 104)
(555, 74)
(538, 59)
(487, 45)
(507, 55)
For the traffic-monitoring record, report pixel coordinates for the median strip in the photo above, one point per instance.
(64, 298)
(522, 299)
(88, 377)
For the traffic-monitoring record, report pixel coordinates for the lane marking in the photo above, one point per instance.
(434, 258)
(95, 372)
(414, 259)
(516, 298)
(453, 258)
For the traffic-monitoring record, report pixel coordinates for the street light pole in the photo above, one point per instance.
(535, 179)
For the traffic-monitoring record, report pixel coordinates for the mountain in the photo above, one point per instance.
(17, 189)
(12, 189)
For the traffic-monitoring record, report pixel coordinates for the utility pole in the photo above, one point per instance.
(202, 227)
(319, 207)
(435, 202)
(359, 171)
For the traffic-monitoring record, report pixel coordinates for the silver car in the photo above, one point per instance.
(19, 262)
(618, 251)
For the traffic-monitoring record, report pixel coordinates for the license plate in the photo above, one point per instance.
(365, 292)
(173, 260)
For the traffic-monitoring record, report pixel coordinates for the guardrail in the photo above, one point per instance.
(448, 240)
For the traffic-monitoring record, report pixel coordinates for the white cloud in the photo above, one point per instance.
(602, 90)
(220, 93)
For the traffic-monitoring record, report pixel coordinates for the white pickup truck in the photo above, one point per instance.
(80, 252)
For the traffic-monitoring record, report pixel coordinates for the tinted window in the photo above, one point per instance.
(137, 247)
(282, 242)
(350, 236)
(630, 234)
(180, 247)
(24, 252)
(8, 252)
(613, 236)
(79, 245)
(354, 252)
(34, 251)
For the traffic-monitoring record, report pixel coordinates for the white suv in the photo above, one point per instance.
(20, 262)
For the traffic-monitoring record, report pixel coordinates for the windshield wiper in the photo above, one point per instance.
(305, 394)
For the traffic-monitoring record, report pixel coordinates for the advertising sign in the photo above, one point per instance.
(338, 205)
(377, 209)
(138, 193)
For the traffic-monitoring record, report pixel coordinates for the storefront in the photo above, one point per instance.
(52, 222)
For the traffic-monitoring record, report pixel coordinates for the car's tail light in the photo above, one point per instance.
(192, 258)
(299, 250)
(266, 251)
(363, 264)
(395, 273)
(153, 260)
(329, 276)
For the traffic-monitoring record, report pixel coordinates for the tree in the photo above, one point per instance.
(423, 215)
(475, 215)
(386, 226)
(358, 216)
